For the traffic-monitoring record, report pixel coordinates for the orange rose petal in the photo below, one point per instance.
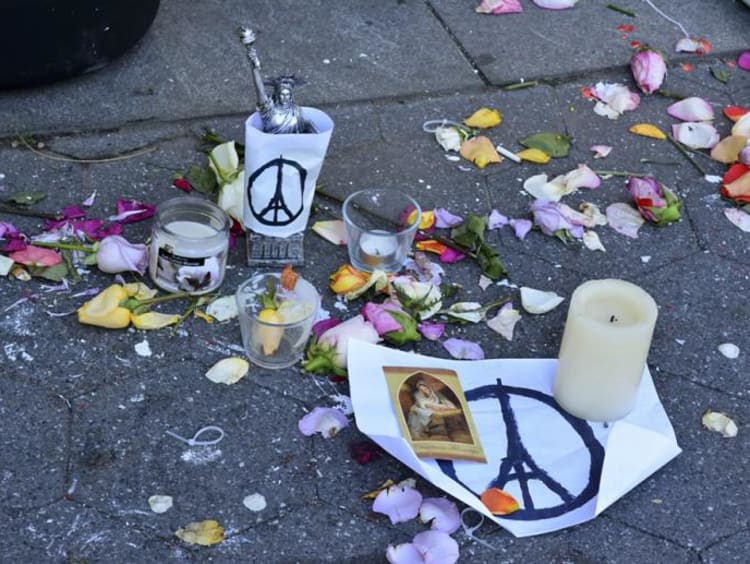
(734, 113)
(347, 279)
(739, 189)
(499, 502)
(431, 246)
(687, 67)
(289, 278)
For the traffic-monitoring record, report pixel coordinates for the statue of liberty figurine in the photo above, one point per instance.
(279, 113)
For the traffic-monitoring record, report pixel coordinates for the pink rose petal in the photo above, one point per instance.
(405, 553)
(499, 7)
(36, 256)
(451, 255)
(442, 513)
(399, 503)
(463, 350)
(743, 61)
(324, 420)
(581, 177)
(145, 210)
(601, 151)
(521, 227)
(691, 109)
(324, 325)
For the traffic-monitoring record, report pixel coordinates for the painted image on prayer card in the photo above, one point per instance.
(433, 413)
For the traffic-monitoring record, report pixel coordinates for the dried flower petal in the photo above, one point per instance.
(480, 151)
(364, 452)
(228, 370)
(538, 301)
(624, 219)
(729, 350)
(399, 503)
(203, 533)
(647, 130)
(160, 503)
(463, 350)
(484, 118)
(505, 321)
(333, 231)
(324, 420)
(719, 422)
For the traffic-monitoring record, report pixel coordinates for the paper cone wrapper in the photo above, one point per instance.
(281, 171)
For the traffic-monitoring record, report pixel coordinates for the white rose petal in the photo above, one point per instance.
(449, 138)
(255, 502)
(538, 301)
(5, 265)
(505, 321)
(228, 370)
(729, 350)
(738, 217)
(160, 503)
(223, 309)
(592, 242)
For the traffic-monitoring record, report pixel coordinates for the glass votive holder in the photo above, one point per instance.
(189, 245)
(380, 227)
(275, 337)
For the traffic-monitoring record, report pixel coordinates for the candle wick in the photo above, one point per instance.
(612, 319)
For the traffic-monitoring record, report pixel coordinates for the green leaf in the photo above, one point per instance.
(54, 273)
(554, 144)
(202, 180)
(721, 74)
(471, 232)
(25, 198)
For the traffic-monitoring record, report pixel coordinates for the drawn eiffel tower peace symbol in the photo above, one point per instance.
(276, 211)
(518, 464)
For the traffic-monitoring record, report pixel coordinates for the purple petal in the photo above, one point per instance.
(399, 503)
(444, 218)
(743, 61)
(442, 512)
(450, 255)
(431, 331)
(13, 245)
(547, 217)
(7, 230)
(324, 325)
(324, 420)
(691, 109)
(496, 220)
(405, 553)
(463, 350)
(521, 227)
(146, 210)
(436, 547)
(73, 212)
(88, 202)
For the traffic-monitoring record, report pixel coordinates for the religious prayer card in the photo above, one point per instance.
(433, 414)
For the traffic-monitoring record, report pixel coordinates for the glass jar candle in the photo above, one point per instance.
(189, 244)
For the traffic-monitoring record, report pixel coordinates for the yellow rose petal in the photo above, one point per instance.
(154, 320)
(104, 309)
(204, 533)
(139, 291)
(534, 156)
(484, 118)
(481, 151)
(648, 130)
(228, 370)
(728, 149)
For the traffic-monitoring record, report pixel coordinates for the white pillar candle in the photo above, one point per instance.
(377, 247)
(604, 349)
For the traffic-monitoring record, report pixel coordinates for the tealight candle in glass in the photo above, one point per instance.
(189, 245)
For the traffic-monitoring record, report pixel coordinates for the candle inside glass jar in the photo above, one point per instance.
(189, 243)
(377, 247)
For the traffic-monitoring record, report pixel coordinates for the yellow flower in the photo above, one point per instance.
(347, 279)
(154, 320)
(426, 221)
(484, 118)
(106, 309)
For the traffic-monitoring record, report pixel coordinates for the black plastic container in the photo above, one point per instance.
(46, 40)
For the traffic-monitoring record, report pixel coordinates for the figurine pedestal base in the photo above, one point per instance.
(263, 250)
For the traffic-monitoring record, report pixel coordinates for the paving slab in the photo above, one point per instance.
(494, 43)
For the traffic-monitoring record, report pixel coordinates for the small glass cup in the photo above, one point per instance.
(276, 340)
(380, 227)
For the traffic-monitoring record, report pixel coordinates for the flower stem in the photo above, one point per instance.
(520, 85)
(621, 10)
(29, 213)
(65, 246)
(687, 155)
(621, 173)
